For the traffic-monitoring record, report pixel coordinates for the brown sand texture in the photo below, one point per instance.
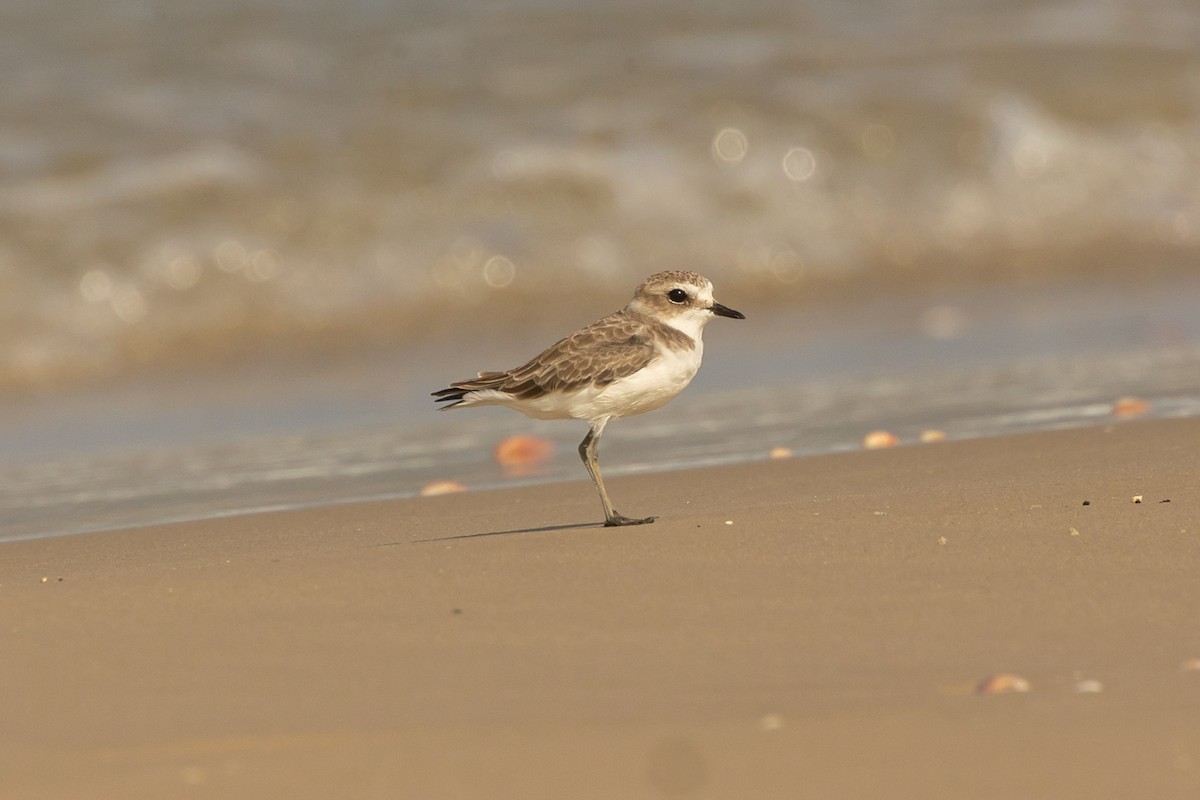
(812, 627)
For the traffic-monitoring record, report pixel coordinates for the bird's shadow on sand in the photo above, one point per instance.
(514, 532)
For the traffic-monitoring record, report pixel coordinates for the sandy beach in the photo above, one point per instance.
(810, 627)
(241, 244)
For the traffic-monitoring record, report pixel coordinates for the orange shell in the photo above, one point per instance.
(523, 455)
(1130, 407)
(876, 440)
(1002, 683)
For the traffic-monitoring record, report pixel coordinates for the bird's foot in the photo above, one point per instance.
(617, 519)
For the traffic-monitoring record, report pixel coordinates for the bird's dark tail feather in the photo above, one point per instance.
(458, 391)
(453, 396)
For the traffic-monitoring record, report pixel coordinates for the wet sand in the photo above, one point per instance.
(826, 643)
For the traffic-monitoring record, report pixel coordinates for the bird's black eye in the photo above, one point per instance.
(677, 295)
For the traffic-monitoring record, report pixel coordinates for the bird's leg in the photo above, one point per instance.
(587, 451)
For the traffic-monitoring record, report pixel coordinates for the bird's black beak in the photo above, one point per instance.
(722, 311)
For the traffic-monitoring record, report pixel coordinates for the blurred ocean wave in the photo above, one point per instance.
(180, 183)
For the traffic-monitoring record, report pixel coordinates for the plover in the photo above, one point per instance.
(627, 363)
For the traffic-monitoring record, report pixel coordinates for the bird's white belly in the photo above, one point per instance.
(649, 388)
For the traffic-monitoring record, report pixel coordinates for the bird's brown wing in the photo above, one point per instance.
(607, 350)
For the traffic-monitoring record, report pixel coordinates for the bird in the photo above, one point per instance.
(632, 361)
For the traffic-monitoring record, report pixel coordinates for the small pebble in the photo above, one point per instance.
(728, 522)
(1002, 683)
(770, 722)
(1074, 531)
(1137, 498)
(941, 540)
(1191, 665)
(1089, 687)
(780, 452)
(933, 436)
(441, 487)
(1087, 502)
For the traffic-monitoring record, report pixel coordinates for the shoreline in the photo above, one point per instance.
(289, 433)
(817, 623)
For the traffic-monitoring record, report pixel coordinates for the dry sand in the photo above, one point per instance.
(826, 644)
